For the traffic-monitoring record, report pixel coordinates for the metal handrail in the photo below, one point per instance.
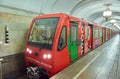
(1, 59)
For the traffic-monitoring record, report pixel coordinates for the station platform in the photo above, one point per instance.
(101, 63)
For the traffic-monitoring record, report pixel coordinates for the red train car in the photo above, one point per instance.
(55, 40)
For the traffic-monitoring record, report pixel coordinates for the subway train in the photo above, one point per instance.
(55, 40)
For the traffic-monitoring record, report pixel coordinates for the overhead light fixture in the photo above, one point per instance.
(107, 12)
(117, 25)
(112, 21)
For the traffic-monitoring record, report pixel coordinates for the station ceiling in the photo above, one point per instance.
(90, 10)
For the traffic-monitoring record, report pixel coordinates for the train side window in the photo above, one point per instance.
(100, 32)
(86, 32)
(62, 39)
(96, 33)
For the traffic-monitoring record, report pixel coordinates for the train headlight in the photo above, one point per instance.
(47, 56)
(44, 56)
(29, 51)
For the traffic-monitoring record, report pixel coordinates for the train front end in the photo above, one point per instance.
(39, 47)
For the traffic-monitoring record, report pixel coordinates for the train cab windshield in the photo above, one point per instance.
(42, 32)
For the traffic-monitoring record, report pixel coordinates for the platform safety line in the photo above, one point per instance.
(79, 73)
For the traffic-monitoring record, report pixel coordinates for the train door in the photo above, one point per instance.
(106, 34)
(90, 35)
(86, 38)
(73, 40)
(95, 37)
(101, 35)
(98, 36)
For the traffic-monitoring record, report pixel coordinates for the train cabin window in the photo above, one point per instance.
(42, 33)
(62, 39)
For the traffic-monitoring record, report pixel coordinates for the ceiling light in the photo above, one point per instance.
(107, 12)
(112, 21)
(116, 24)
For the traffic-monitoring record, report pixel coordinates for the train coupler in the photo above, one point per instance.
(37, 73)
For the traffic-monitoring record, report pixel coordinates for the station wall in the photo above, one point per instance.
(17, 26)
(18, 23)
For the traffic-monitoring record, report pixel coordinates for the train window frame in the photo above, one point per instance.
(42, 46)
(76, 37)
(87, 32)
(100, 30)
(96, 33)
(61, 48)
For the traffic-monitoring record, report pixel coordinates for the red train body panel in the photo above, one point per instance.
(55, 40)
